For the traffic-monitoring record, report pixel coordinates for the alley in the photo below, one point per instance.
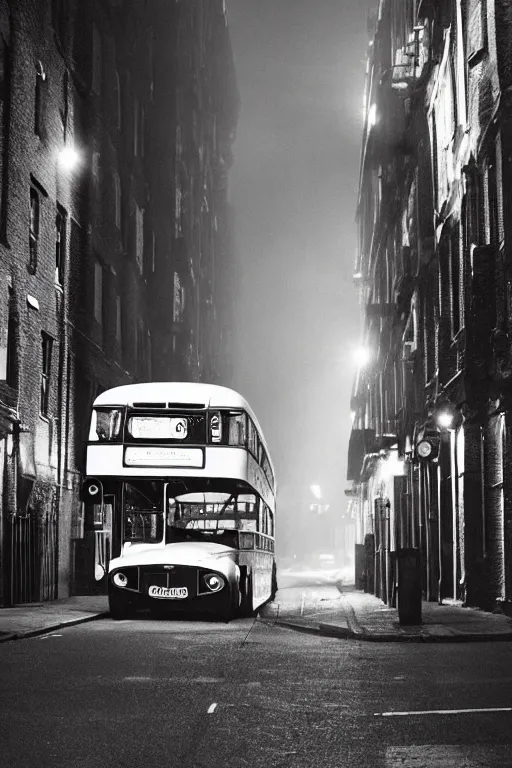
(250, 693)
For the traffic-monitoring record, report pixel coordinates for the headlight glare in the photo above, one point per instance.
(120, 580)
(214, 582)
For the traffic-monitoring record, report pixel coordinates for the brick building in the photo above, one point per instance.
(429, 454)
(110, 258)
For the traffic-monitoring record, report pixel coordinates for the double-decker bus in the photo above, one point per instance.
(181, 477)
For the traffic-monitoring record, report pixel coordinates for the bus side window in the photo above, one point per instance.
(238, 429)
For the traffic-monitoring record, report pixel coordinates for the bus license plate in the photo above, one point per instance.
(174, 593)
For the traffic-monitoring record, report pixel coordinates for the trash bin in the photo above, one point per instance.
(409, 586)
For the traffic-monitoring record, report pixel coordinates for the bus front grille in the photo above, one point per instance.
(174, 576)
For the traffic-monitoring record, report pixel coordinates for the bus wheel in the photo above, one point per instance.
(119, 607)
(274, 581)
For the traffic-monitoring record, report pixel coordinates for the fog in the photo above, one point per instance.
(300, 70)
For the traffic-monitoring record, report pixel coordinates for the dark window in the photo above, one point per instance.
(40, 99)
(47, 345)
(60, 245)
(33, 229)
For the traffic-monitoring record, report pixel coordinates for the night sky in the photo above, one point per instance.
(300, 68)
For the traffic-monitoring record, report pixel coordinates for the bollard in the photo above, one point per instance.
(409, 586)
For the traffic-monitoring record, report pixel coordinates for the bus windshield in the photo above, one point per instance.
(204, 506)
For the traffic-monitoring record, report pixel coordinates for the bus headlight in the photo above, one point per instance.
(214, 582)
(120, 580)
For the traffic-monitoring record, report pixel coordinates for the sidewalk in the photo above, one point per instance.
(353, 614)
(362, 616)
(36, 618)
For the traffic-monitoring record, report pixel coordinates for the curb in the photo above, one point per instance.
(346, 633)
(307, 629)
(421, 637)
(9, 637)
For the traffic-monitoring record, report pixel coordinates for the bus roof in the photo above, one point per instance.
(178, 392)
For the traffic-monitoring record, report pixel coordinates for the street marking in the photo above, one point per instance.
(137, 679)
(212, 708)
(45, 637)
(442, 712)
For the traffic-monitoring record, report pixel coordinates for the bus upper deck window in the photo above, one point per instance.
(106, 424)
(237, 429)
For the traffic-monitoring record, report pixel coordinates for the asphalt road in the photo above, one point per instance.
(173, 694)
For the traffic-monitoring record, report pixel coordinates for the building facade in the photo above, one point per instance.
(116, 125)
(429, 454)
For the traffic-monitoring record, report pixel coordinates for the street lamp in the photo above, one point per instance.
(69, 158)
(362, 356)
(444, 419)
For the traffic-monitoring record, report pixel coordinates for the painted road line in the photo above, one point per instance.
(212, 708)
(442, 712)
(45, 637)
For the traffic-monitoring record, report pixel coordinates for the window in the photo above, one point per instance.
(40, 99)
(97, 60)
(47, 345)
(60, 245)
(237, 429)
(98, 292)
(10, 373)
(8, 345)
(33, 229)
(253, 439)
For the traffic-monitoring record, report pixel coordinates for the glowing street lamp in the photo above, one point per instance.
(362, 356)
(69, 158)
(444, 419)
